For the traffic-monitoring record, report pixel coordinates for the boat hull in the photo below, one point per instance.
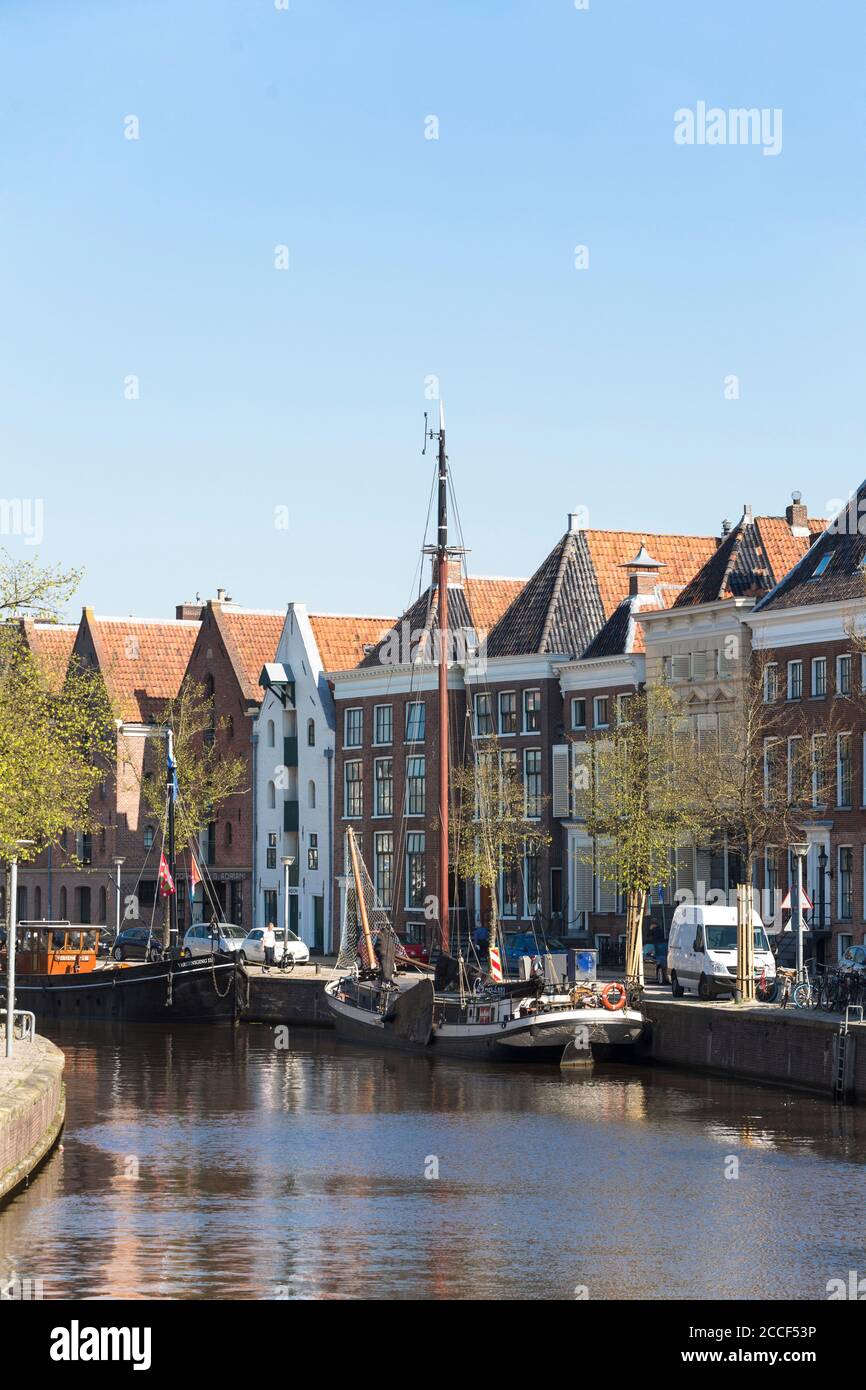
(534, 1039)
(198, 990)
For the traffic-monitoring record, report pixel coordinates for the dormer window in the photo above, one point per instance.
(822, 565)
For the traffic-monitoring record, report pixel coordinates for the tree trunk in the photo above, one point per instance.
(635, 906)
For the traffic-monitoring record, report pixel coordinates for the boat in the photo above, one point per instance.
(59, 974)
(381, 998)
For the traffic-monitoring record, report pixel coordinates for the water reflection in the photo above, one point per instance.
(209, 1163)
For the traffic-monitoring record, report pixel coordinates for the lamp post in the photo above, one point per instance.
(288, 861)
(118, 864)
(10, 947)
(822, 886)
(799, 851)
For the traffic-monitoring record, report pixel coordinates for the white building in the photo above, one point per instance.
(294, 771)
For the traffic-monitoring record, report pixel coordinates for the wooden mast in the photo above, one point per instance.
(362, 902)
(442, 563)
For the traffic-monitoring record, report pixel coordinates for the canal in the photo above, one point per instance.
(211, 1163)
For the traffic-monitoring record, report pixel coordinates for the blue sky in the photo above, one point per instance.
(304, 389)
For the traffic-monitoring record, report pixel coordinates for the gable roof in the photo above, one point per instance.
(142, 660)
(621, 635)
(342, 639)
(474, 604)
(251, 637)
(51, 645)
(580, 585)
(839, 554)
(750, 559)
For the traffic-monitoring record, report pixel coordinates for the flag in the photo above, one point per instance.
(166, 882)
(194, 876)
(495, 964)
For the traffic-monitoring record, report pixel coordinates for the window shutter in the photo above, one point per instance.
(582, 879)
(686, 868)
(559, 780)
(581, 779)
(606, 882)
(681, 667)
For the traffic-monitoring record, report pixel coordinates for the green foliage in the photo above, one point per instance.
(488, 824)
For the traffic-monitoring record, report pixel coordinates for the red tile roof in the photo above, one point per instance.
(342, 638)
(142, 661)
(251, 638)
(51, 645)
(682, 557)
(489, 598)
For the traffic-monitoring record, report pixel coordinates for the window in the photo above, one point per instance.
(771, 881)
(798, 782)
(415, 721)
(271, 856)
(353, 726)
(822, 564)
(415, 875)
(483, 715)
(354, 790)
(532, 782)
(578, 714)
(844, 942)
(271, 906)
(37, 904)
(272, 735)
(227, 834)
(84, 847)
(622, 708)
(531, 885)
(819, 677)
(846, 883)
(843, 675)
(415, 786)
(148, 837)
(383, 724)
(384, 787)
(383, 866)
(677, 668)
(774, 771)
(507, 712)
(819, 769)
(795, 680)
(311, 794)
(508, 889)
(272, 796)
(771, 682)
(531, 711)
(311, 733)
(843, 770)
(600, 711)
(313, 852)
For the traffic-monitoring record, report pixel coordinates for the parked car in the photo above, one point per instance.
(415, 950)
(854, 959)
(136, 943)
(252, 950)
(205, 938)
(526, 943)
(655, 962)
(702, 951)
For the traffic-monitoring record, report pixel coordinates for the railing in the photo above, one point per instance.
(25, 1021)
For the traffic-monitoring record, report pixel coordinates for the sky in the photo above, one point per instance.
(179, 412)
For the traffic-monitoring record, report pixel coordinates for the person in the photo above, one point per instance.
(269, 942)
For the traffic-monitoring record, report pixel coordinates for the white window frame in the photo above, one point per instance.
(843, 805)
(596, 723)
(839, 917)
(842, 657)
(422, 759)
(818, 662)
(412, 705)
(796, 664)
(533, 690)
(771, 670)
(527, 753)
(483, 695)
(352, 710)
(382, 742)
(352, 762)
(515, 713)
(578, 700)
(377, 814)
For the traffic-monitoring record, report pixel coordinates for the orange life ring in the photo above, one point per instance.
(606, 997)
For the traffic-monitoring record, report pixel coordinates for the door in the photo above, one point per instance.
(319, 925)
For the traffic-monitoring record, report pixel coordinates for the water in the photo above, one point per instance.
(206, 1163)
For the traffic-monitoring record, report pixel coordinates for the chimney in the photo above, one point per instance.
(797, 516)
(221, 596)
(455, 572)
(643, 572)
(726, 527)
(577, 520)
(189, 610)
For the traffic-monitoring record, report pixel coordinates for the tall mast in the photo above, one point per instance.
(444, 745)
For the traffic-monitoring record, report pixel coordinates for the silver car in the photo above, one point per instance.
(205, 938)
(252, 949)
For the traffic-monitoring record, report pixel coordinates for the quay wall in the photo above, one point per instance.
(792, 1048)
(280, 998)
(32, 1109)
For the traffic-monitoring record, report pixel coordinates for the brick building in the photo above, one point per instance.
(142, 662)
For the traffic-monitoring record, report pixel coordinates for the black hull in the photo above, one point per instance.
(178, 991)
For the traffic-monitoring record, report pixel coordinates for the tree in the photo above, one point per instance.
(766, 770)
(55, 748)
(31, 590)
(489, 826)
(633, 788)
(206, 776)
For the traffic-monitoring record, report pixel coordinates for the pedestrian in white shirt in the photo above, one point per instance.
(269, 941)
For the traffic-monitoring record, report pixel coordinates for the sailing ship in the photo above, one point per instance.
(381, 998)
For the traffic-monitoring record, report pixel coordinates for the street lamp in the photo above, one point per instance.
(10, 947)
(118, 864)
(799, 851)
(822, 885)
(288, 861)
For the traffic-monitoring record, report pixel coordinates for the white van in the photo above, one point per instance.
(702, 951)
